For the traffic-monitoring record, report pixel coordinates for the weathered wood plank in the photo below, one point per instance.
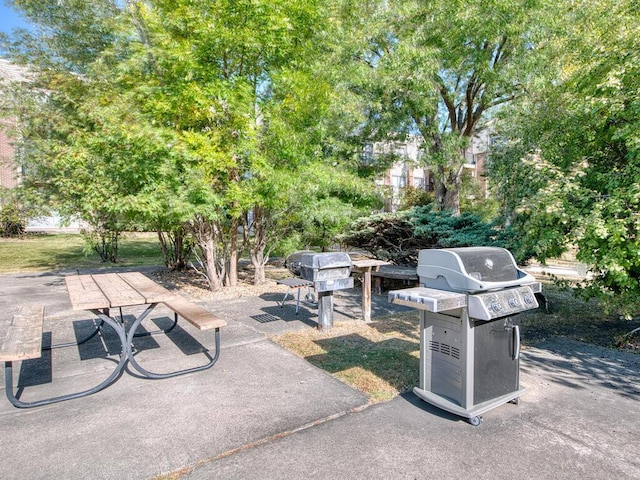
(84, 293)
(396, 272)
(198, 316)
(119, 292)
(150, 290)
(368, 264)
(23, 339)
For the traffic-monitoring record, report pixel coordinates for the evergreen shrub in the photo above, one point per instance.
(397, 237)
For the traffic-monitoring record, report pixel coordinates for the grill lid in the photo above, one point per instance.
(325, 260)
(318, 267)
(470, 269)
(292, 262)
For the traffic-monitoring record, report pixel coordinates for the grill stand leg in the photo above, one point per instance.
(325, 310)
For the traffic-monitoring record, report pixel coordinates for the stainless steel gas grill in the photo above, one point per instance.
(469, 338)
(328, 271)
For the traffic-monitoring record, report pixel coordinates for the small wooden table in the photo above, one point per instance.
(407, 274)
(366, 267)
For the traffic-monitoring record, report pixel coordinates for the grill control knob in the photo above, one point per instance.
(495, 306)
(514, 303)
(528, 299)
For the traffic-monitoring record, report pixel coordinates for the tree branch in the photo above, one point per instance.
(448, 101)
(500, 52)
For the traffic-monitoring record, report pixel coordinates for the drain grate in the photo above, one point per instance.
(265, 318)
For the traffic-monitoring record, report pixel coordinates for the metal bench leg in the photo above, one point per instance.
(147, 334)
(79, 342)
(156, 376)
(286, 295)
(8, 376)
(298, 301)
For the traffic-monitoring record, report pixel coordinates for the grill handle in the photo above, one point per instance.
(516, 342)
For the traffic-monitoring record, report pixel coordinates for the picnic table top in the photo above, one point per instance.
(110, 290)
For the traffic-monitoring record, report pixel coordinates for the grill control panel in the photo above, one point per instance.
(500, 303)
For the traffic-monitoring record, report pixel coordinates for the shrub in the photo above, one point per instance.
(12, 220)
(397, 237)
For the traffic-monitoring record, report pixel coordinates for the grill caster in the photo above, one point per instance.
(475, 421)
(515, 401)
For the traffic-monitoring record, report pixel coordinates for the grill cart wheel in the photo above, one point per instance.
(475, 421)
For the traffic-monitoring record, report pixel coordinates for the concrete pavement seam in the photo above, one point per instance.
(186, 470)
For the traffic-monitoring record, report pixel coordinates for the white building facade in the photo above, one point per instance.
(409, 170)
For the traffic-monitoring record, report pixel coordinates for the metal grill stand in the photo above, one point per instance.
(467, 367)
(469, 338)
(329, 271)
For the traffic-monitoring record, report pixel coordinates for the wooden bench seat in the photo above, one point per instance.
(23, 339)
(199, 317)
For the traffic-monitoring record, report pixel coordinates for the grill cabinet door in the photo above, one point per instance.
(496, 371)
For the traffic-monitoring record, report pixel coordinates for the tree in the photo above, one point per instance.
(438, 70)
(56, 58)
(568, 168)
(179, 114)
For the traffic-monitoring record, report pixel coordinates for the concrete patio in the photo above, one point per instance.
(262, 412)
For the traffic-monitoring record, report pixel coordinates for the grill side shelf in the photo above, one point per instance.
(429, 299)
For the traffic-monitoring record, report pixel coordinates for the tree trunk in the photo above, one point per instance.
(232, 260)
(204, 232)
(207, 248)
(440, 189)
(257, 243)
(447, 189)
(259, 274)
(176, 248)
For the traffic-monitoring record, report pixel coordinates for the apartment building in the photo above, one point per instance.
(9, 172)
(409, 169)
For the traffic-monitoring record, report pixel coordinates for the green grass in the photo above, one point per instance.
(44, 252)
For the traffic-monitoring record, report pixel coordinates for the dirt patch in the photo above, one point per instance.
(570, 317)
(195, 284)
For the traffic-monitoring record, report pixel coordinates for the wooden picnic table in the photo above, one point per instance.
(100, 294)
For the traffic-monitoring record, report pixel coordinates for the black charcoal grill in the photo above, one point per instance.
(469, 337)
(328, 271)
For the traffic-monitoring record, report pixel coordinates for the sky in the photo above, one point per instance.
(9, 19)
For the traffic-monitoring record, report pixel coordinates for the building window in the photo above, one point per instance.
(398, 181)
(367, 154)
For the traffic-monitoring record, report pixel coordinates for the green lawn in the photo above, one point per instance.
(63, 251)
